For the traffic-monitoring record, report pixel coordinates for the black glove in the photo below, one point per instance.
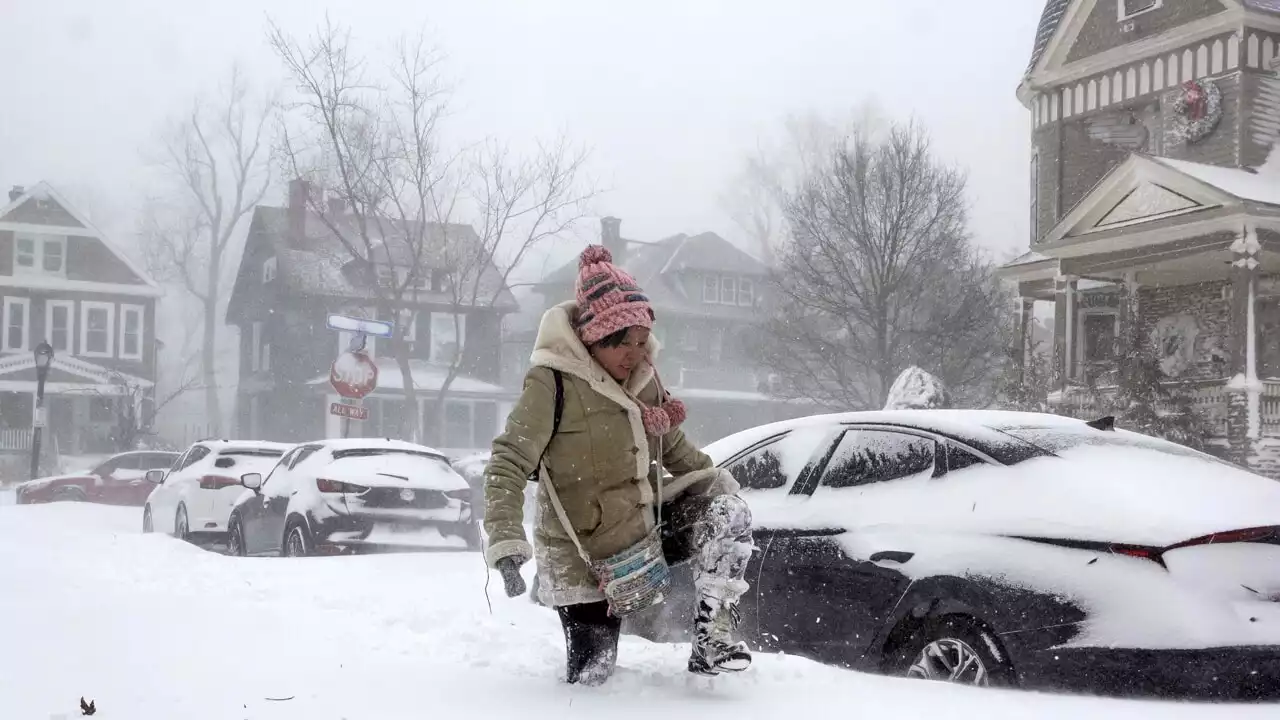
(510, 568)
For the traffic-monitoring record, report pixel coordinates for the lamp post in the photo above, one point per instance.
(44, 357)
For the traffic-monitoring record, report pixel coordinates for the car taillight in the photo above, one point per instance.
(217, 482)
(333, 486)
(1267, 535)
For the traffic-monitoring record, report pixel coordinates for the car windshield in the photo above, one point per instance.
(1058, 440)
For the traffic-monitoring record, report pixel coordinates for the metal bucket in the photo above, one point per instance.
(636, 578)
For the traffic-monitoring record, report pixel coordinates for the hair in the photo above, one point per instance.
(615, 339)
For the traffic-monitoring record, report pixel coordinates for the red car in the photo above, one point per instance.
(118, 480)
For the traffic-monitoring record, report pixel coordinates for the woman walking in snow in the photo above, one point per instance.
(601, 464)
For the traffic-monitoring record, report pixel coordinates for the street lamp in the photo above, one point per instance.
(44, 358)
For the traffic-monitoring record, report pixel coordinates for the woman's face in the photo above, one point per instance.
(620, 360)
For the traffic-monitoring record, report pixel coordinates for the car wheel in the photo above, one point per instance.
(69, 494)
(147, 524)
(954, 648)
(297, 541)
(181, 525)
(235, 537)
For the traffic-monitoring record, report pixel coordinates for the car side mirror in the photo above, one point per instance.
(155, 476)
(253, 481)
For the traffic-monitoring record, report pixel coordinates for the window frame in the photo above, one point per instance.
(813, 465)
(269, 269)
(87, 307)
(141, 312)
(732, 283)
(38, 254)
(1082, 348)
(25, 302)
(460, 339)
(70, 307)
(712, 297)
(1123, 13)
(1035, 194)
(938, 465)
(749, 286)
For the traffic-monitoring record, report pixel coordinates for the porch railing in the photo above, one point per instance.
(12, 439)
(1210, 399)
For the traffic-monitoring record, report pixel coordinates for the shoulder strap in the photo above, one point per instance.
(555, 421)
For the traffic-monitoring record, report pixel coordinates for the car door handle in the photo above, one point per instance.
(897, 556)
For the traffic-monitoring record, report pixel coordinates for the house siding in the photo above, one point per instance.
(144, 368)
(1219, 147)
(1259, 116)
(1102, 31)
(42, 213)
(89, 259)
(6, 252)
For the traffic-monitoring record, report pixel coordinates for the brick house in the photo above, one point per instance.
(294, 272)
(1155, 199)
(63, 281)
(707, 295)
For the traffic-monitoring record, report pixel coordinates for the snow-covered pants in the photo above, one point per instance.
(711, 531)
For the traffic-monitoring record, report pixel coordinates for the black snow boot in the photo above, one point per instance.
(714, 650)
(591, 642)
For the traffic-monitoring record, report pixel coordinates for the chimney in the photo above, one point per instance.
(16, 192)
(611, 238)
(299, 190)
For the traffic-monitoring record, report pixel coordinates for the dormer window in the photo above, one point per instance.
(40, 254)
(1126, 9)
(728, 290)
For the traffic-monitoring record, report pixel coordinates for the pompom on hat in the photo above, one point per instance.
(608, 298)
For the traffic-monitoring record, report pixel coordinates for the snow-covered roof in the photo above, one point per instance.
(82, 227)
(1262, 186)
(425, 377)
(1027, 258)
(1050, 18)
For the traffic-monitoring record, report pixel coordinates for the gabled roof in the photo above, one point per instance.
(321, 265)
(66, 219)
(656, 265)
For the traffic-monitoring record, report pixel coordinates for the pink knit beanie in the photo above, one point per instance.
(608, 298)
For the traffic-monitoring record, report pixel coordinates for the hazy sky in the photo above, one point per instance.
(669, 95)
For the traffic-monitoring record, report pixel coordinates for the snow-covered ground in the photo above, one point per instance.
(149, 627)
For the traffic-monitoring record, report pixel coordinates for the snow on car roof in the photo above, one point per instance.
(224, 446)
(947, 422)
(375, 444)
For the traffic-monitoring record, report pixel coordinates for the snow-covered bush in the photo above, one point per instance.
(916, 389)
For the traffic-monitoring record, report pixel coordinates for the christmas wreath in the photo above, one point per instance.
(1198, 109)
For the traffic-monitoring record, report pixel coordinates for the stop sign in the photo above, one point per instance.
(353, 375)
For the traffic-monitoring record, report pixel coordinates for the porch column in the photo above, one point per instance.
(1026, 312)
(1244, 391)
(1129, 317)
(1064, 320)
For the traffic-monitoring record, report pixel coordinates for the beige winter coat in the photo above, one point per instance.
(599, 462)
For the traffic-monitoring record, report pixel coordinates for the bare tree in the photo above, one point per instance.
(389, 192)
(215, 160)
(878, 274)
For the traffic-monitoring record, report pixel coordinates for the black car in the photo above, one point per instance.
(339, 496)
(1010, 549)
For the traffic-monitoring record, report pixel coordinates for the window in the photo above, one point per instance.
(717, 344)
(776, 466)
(1099, 336)
(746, 293)
(958, 459)
(101, 410)
(59, 325)
(266, 357)
(269, 270)
(458, 425)
(131, 317)
(729, 290)
(1035, 198)
(46, 254)
(97, 327)
(689, 338)
(17, 324)
(711, 289)
(447, 337)
(1126, 9)
(870, 456)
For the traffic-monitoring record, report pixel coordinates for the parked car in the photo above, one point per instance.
(118, 480)
(1013, 549)
(336, 496)
(193, 499)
